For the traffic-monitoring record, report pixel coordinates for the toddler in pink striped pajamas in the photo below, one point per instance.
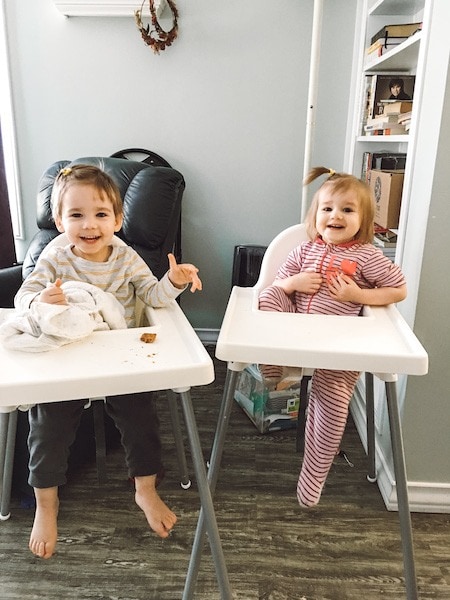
(336, 272)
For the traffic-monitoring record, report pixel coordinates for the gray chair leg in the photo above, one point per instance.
(301, 420)
(213, 475)
(206, 484)
(370, 416)
(402, 491)
(100, 439)
(185, 481)
(8, 426)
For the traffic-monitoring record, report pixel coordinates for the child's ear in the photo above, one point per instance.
(59, 225)
(119, 221)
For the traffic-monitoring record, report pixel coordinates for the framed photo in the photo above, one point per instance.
(391, 87)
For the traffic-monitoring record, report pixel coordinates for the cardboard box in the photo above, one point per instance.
(268, 410)
(387, 187)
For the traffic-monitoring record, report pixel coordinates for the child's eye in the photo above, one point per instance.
(101, 215)
(348, 210)
(75, 215)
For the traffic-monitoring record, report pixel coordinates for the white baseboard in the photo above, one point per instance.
(423, 496)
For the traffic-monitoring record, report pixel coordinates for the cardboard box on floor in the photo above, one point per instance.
(268, 410)
(387, 187)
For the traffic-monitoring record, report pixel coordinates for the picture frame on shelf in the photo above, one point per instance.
(387, 88)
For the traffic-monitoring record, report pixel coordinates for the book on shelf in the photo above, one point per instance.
(391, 130)
(382, 119)
(396, 108)
(397, 30)
(382, 161)
(381, 46)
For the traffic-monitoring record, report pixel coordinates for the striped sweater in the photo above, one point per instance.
(365, 263)
(124, 274)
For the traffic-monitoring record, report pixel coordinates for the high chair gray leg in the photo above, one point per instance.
(100, 439)
(207, 522)
(370, 424)
(301, 419)
(402, 491)
(185, 481)
(8, 426)
(213, 474)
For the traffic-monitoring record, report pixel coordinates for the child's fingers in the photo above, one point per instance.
(196, 283)
(172, 261)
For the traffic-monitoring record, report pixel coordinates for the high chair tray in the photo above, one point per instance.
(109, 363)
(380, 341)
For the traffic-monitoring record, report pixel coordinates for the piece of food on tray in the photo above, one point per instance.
(148, 338)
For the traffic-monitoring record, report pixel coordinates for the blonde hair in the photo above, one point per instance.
(84, 175)
(341, 183)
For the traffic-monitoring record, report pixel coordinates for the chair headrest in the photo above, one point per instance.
(150, 195)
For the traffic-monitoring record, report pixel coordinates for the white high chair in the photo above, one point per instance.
(97, 405)
(249, 335)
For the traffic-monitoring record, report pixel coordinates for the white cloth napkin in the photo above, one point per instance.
(45, 327)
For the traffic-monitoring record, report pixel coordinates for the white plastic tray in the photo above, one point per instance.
(379, 342)
(109, 363)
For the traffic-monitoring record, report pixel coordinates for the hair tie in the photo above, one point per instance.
(66, 171)
(331, 173)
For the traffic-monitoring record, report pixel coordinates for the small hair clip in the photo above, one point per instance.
(331, 173)
(66, 171)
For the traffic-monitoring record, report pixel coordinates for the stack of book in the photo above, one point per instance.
(396, 30)
(392, 121)
(389, 37)
(384, 125)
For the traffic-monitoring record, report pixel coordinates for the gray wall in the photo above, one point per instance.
(226, 105)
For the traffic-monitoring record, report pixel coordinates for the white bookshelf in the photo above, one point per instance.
(425, 55)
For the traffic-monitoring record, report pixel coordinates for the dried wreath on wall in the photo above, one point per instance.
(157, 38)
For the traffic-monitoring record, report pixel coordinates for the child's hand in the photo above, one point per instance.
(344, 289)
(52, 294)
(307, 282)
(180, 275)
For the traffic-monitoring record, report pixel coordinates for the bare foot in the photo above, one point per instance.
(45, 527)
(159, 516)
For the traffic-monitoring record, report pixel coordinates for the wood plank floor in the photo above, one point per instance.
(348, 548)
